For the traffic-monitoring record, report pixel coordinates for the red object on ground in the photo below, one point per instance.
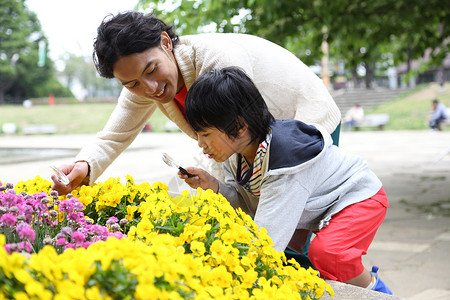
(51, 100)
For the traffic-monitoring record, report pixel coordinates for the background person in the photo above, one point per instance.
(437, 115)
(353, 116)
(156, 68)
(288, 175)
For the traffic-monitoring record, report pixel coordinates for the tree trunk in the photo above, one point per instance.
(369, 76)
(325, 71)
(355, 78)
(408, 62)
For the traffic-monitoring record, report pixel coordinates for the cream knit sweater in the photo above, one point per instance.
(290, 89)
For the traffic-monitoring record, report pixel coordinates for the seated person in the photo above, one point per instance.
(438, 115)
(288, 175)
(353, 116)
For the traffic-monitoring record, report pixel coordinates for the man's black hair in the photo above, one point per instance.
(125, 34)
(225, 99)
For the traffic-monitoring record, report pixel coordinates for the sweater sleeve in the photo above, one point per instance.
(124, 124)
(280, 207)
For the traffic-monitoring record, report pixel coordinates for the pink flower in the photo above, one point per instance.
(112, 220)
(61, 242)
(73, 246)
(66, 206)
(78, 237)
(10, 248)
(8, 219)
(25, 246)
(26, 232)
(67, 231)
(116, 234)
(8, 199)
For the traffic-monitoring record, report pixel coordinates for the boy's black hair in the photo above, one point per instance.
(225, 99)
(125, 34)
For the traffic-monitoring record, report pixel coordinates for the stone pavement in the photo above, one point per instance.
(411, 247)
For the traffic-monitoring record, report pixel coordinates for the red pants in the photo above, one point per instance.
(336, 250)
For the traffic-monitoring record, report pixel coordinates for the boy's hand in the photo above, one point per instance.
(201, 179)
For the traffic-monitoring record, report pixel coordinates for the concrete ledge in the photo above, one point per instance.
(343, 291)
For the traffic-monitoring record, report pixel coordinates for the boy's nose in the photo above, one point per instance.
(200, 142)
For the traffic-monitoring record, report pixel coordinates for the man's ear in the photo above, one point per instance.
(166, 41)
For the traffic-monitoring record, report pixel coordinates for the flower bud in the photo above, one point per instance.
(14, 209)
(123, 222)
(45, 200)
(115, 227)
(21, 218)
(47, 240)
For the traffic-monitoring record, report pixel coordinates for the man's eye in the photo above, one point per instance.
(152, 70)
(131, 85)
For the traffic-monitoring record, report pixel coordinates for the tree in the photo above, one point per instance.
(20, 35)
(348, 26)
(82, 70)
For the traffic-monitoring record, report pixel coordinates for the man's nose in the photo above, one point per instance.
(151, 86)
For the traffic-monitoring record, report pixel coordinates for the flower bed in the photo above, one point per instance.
(129, 241)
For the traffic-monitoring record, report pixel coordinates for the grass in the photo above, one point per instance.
(410, 111)
(68, 118)
(407, 112)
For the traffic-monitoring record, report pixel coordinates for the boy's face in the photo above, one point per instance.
(218, 145)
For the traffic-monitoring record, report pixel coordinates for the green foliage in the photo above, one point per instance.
(21, 75)
(358, 32)
(20, 35)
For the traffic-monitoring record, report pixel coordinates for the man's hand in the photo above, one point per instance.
(76, 173)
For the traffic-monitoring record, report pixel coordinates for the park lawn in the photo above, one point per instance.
(80, 118)
(410, 111)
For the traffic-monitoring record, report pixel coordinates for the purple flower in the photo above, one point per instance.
(78, 237)
(67, 231)
(54, 194)
(96, 229)
(11, 191)
(53, 213)
(77, 205)
(111, 221)
(73, 216)
(8, 219)
(8, 199)
(66, 206)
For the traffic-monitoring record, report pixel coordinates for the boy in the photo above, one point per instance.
(288, 175)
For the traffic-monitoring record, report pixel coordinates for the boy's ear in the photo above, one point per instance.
(243, 129)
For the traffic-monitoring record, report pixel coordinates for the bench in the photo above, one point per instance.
(447, 121)
(39, 129)
(373, 120)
